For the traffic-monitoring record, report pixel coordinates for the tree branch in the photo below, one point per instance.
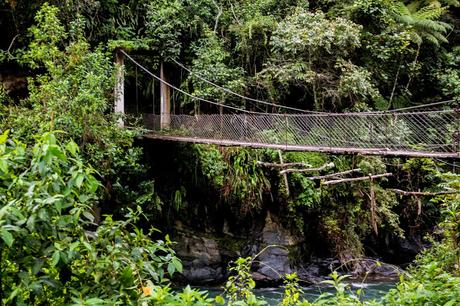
(323, 167)
(421, 193)
(234, 15)
(286, 182)
(285, 165)
(11, 43)
(356, 179)
(219, 13)
(334, 175)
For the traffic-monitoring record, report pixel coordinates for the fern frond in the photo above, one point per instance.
(434, 3)
(429, 13)
(405, 19)
(401, 9)
(430, 38)
(440, 37)
(429, 25)
(413, 6)
(448, 26)
(417, 38)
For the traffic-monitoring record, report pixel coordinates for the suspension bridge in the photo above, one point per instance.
(431, 130)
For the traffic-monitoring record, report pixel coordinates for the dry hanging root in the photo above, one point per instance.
(373, 206)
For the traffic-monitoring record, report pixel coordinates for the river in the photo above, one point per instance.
(274, 295)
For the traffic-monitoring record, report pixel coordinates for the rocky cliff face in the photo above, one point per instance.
(275, 244)
(205, 256)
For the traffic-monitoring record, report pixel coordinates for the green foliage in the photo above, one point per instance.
(164, 24)
(49, 34)
(449, 76)
(435, 277)
(343, 294)
(238, 288)
(313, 52)
(167, 22)
(163, 295)
(74, 94)
(211, 64)
(212, 164)
(49, 252)
(355, 55)
(292, 290)
(423, 21)
(245, 182)
(253, 40)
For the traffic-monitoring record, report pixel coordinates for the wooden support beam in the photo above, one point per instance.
(286, 182)
(334, 175)
(165, 101)
(285, 165)
(357, 179)
(421, 193)
(120, 85)
(323, 167)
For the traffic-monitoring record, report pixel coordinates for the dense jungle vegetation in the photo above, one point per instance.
(84, 218)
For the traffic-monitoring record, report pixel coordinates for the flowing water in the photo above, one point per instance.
(274, 295)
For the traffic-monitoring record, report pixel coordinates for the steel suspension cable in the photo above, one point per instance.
(260, 101)
(240, 95)
(184, 92)
(197, 75)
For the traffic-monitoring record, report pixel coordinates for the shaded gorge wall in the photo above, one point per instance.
(312, 231)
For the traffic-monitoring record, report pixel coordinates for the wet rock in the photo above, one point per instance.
(204, 257)
(200, 257)
(275, 245)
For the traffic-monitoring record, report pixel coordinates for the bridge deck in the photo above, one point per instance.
(331, 150)
(416, 134)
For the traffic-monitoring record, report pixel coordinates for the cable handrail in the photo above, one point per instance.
(240, 95)
(395, 111)
(294, 108)
(182, 91)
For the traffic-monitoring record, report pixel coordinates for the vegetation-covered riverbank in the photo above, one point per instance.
(88, 210)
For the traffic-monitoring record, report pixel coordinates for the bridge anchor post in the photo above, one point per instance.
(165, 101)
(120, 85)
